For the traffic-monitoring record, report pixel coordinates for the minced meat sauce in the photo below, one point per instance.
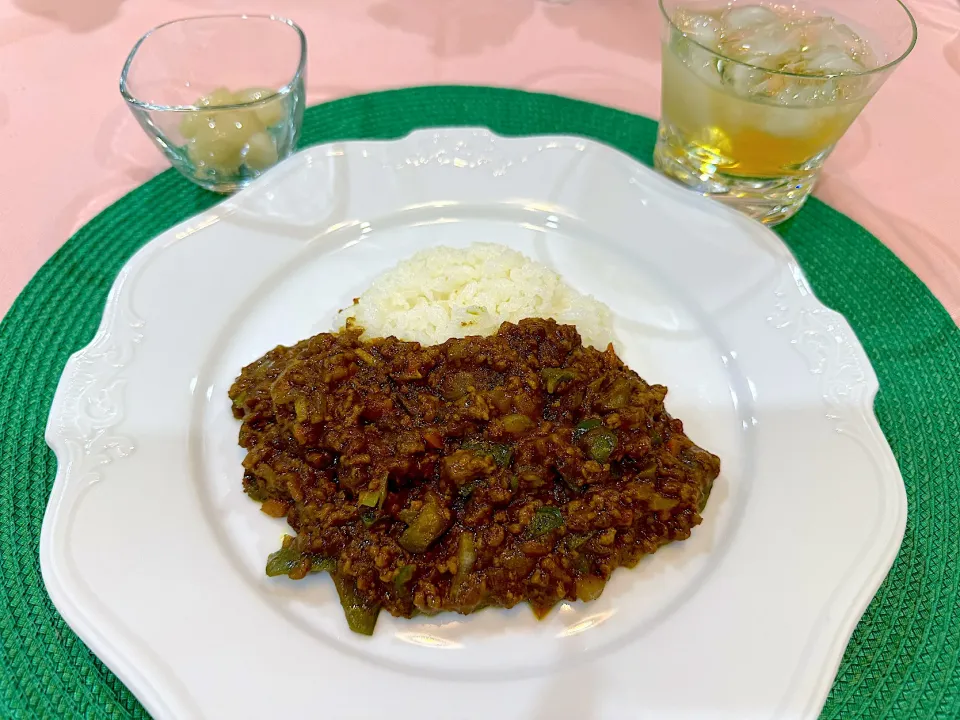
(485, 471)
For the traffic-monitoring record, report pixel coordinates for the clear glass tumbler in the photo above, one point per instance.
(756, 94)
(221, 96)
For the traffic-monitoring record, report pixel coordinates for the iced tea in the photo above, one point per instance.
(755, 97)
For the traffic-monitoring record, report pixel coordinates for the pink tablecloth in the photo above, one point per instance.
(69, 146)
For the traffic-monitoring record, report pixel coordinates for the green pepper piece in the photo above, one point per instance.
(552, 377)
(600, 444)
(545, 520)
(288, 558)
(404, 576)
(584, 427)
(576, 541)
(427, 526)
(704, 496)
(283, 560)
(466, 490)
(361, 618)
(649, 472)
(501, 453)
(254, 492)
(319, 564)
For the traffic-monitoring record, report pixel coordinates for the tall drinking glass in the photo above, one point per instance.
(756, 94)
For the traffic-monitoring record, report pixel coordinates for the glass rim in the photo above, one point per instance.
(871, 71)
(281, 92)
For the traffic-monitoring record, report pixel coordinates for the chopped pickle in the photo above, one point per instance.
(589, 587)
(366, 357)
(429, 524)
(466, 557)
(303, 412)
(618, 396)
(374, 498)
(517, 424)
(274, 508)
(369, 498)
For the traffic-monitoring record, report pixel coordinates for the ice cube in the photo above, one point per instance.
(702, 29)
(799, 93)
(741, 17)
(743, 79)
(773, 42)
(839, 35)
(705, 65)
(830, 60)
(791, 122)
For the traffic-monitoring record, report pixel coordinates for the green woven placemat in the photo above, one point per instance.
(904, 658)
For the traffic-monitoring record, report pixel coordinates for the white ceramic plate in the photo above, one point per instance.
(153, 554)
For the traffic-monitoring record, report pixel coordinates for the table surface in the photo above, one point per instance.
(70, 147)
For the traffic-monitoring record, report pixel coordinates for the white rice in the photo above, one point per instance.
(448, 292)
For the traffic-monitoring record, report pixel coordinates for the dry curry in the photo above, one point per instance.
(484, 471)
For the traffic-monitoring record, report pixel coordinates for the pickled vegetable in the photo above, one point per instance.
(589, 587)
(517, 424)
(425, 527)
(220, 141)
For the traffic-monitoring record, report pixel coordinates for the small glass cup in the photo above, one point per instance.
(221, 96)
(756, 94)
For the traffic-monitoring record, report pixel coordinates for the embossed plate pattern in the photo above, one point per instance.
(155, 557)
